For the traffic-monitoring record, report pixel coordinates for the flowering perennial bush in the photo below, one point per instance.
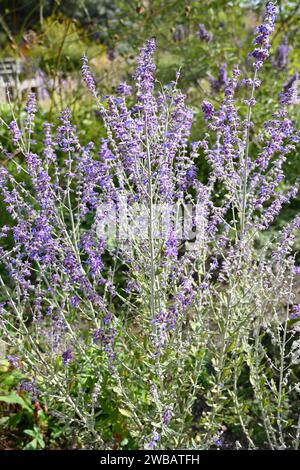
(138, 301)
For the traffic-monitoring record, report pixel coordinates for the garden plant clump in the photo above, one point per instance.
(140, 304)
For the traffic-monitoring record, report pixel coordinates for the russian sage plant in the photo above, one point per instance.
(131, 292)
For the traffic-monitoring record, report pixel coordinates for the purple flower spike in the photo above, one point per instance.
(203, 34)
(124, 90)
(261, 53)
(208, 110)
(168, 415)
(289, 94)
(87, 75)
(15, 132)
(155, 438)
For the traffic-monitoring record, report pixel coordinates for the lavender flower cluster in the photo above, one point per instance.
(264, 31)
